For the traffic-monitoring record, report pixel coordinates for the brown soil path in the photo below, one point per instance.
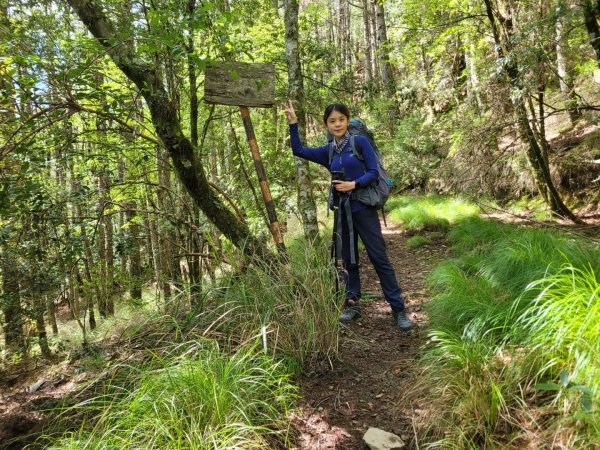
(364, 388)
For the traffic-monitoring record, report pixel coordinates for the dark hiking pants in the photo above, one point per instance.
(366, 225)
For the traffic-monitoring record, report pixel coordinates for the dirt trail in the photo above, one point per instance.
(364, 388)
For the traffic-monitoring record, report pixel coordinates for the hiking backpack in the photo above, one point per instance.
(378, 192)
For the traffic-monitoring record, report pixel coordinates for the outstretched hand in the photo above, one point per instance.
(290, 114)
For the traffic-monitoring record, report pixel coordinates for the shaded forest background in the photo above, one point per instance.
(120, 186)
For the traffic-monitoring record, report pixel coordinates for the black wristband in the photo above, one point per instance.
(356, 184)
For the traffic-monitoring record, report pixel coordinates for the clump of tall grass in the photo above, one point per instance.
(430, 212)
(295, 305)
(563, 324)
(196, 396)
(513, 312)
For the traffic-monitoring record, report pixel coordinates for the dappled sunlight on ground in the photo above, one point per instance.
(365, 387)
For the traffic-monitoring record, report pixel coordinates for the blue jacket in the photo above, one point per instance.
(347, 161)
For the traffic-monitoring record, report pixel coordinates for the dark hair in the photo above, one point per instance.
(339, 107)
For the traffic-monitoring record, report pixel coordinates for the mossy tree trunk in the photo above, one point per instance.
(540, 169)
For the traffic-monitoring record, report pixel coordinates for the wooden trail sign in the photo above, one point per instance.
(240, 84)
(244, 85)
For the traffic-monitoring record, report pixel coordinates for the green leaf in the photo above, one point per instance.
(564, 378)
(581, 388)
(586, 402)
(547, 387)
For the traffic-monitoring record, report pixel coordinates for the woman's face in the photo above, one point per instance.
(337, 124)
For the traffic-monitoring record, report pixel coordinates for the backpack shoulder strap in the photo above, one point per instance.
(356, 149)
(330, 155)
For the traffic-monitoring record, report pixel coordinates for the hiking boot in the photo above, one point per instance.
(402, 320)
(349, 314)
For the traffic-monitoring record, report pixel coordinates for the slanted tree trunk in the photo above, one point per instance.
(306, 200)
(164, 113)
(539, 166)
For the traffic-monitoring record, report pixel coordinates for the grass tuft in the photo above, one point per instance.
(295, 308)
(417, 241)
(194, 397)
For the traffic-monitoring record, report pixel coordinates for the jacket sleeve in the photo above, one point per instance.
(319, 155)
(371, 169)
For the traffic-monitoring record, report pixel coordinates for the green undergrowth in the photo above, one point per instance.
(430, 212)
(218, 375)
(294, 307)
(513, 356)
(418, 241)
(192, 396)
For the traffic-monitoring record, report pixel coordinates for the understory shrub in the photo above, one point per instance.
(430, 212)
(513, 356)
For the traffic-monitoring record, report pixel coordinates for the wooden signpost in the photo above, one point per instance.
(245, 85)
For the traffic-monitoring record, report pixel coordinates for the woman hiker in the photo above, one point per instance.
(349, 174)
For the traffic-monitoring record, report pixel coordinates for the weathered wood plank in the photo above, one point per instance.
(240, 84)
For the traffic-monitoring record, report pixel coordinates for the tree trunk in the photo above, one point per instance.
(191, 5)
(344, 34)
(473, 85)
(387, 71)
(122, 232)
(102, 276)
(196, 239)
(51, 308)
(152, 227)
(164, 114)
(367, 42)
(539, 167)
(110, 253)
(40, 325)
(591, 25)
(165, 233)
(91, 287)
(11, 302)
(135, 256)
(74, 306)
(374, 39)
(564, 78)
(306, 200)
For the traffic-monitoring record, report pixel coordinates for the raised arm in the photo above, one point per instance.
(319, 155)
